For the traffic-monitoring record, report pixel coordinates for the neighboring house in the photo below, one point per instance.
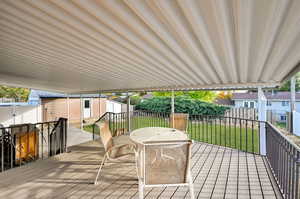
(277, 102)
(224, 102)
(147, 96)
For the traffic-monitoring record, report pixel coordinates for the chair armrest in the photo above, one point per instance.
(123, 145)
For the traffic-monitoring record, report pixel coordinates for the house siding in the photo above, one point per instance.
(276, 105)
(96, 112)
(54, 108)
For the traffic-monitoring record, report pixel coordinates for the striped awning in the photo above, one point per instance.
(112, 45)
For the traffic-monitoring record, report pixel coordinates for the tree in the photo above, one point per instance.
(207, 96)
(18, 94)
(135, 99)
(225, 95)
(287, 85)
(168, 94)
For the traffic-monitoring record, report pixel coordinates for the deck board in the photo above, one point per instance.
(218, 172)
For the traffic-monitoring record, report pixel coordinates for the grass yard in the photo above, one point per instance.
(234, 136)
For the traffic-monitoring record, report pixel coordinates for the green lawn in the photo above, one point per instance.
(281, 125)
(213, 133)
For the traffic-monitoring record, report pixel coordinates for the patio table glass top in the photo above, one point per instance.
(157, 134)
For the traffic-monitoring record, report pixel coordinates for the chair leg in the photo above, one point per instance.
(141, 190)
(99, 170)
(191, 187)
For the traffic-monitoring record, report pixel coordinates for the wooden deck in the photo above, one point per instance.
(218, 172)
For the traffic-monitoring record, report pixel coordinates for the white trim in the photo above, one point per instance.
(90, 107)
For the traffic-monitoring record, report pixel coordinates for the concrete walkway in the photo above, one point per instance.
(77, 136)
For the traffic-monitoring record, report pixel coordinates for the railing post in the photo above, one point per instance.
(128, 113)
(262, 116)
(297, 194)
(93, 131)
(2, 149)
(65, 135)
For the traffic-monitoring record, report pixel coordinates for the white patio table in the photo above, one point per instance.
(152, 134)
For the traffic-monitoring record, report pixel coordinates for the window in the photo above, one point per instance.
(284, 103)
(269, 103)
(249, 104)
(86, 103)
(283, 117)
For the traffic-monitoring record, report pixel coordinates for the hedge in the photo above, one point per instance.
(183, 104)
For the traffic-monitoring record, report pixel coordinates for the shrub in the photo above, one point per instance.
(183, 104)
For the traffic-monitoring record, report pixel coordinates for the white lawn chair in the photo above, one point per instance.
(115, 147)
(165, 163)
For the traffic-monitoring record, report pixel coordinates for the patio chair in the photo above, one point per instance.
(165, 163)
(115, 147)
(179, 121)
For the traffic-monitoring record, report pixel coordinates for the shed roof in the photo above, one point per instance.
(111, 45)
(36, 94)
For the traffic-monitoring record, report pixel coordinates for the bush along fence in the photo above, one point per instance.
(183, 104)
(24, 143)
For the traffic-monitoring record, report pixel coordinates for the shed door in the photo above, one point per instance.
(87, 108)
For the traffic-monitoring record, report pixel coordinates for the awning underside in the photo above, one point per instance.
(89, 45)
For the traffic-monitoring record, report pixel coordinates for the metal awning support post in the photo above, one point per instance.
(262, 116)
(293, 103)
(128, 113)
(99, 105)
(173, 108)
(68, 108)
(81, 110)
